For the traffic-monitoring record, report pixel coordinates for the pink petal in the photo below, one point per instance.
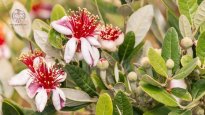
(178, 83)
(87, 51)
(61, 78)
(41, 99)
(32, 88)
(93, 41)
(58, 99)
(119, 40)
(21, 78)
(70, 49)
(108, 45)
(96, 55)
(62, 26)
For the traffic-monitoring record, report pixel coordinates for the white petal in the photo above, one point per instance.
(61, 78)
(37, 62)
(61, 26)
(96, 55)
(119, 40)
(41, 99)
(21, 78)
(108, 45)
(70, 49)
(58, 98)
(93, 41)
(87, 51)
(178, 83)
(5, 51)
(32, 88)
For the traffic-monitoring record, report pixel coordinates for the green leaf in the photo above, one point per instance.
(74, 108)
(180, 112)
(158, 111)
(185, 27)
(170, 48)
(148, 79)
(186, 59)
(159, 94)
(28, 5)
(200, 48)
(9, 108)
(157, 62)
(122, 105)
(97, 81)
(126, 48)
(104, 105)
(55, 39)
(109, 57)
(181, 93)
(57, 12)
(173, 21)
(199, 16)
(198, 89)
(140, 22)
(186, 70)
(40, 25)
(82, 79)
(188, 8)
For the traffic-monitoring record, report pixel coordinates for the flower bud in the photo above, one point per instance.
(186, 42)
(103, 64)
(145, 62)
(170, 63)
(132, 76)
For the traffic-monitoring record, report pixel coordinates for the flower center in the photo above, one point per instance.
(110, 33)
(83, 23)
(47, 77)
(27, 58)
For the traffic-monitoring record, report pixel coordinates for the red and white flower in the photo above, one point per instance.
(41, 80)
(81, 27)
(41, 10)
(4, 49)
(111, 37)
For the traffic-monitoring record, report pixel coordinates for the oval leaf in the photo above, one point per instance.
(170, 48)
(157, 62)
(40, 25)
(140, 22)
(104, 105)
(57, 12)
(185, 26)
(181, 93)
(148, 79)
(126, 48)
(82, 79)
(199, 16)
(20, 20)
(159, 94)
(55, 39)
(41, 39)
(186, 70)
(122, 105)
(77, 95)
(9, 108)
(188, 8)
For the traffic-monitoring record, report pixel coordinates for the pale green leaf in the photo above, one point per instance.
(199, 16)
(186, 59)
(186, 70)
(148, 79)
(188, 8)
(104, 105)
(159, 94)
(198, 89)
(140, 22)
(157, 62)
(185, 27)
(170, 48)
(57, 12)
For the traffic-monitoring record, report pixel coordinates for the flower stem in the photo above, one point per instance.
(98, 10)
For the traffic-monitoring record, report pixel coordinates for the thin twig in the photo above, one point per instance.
(98, 10)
